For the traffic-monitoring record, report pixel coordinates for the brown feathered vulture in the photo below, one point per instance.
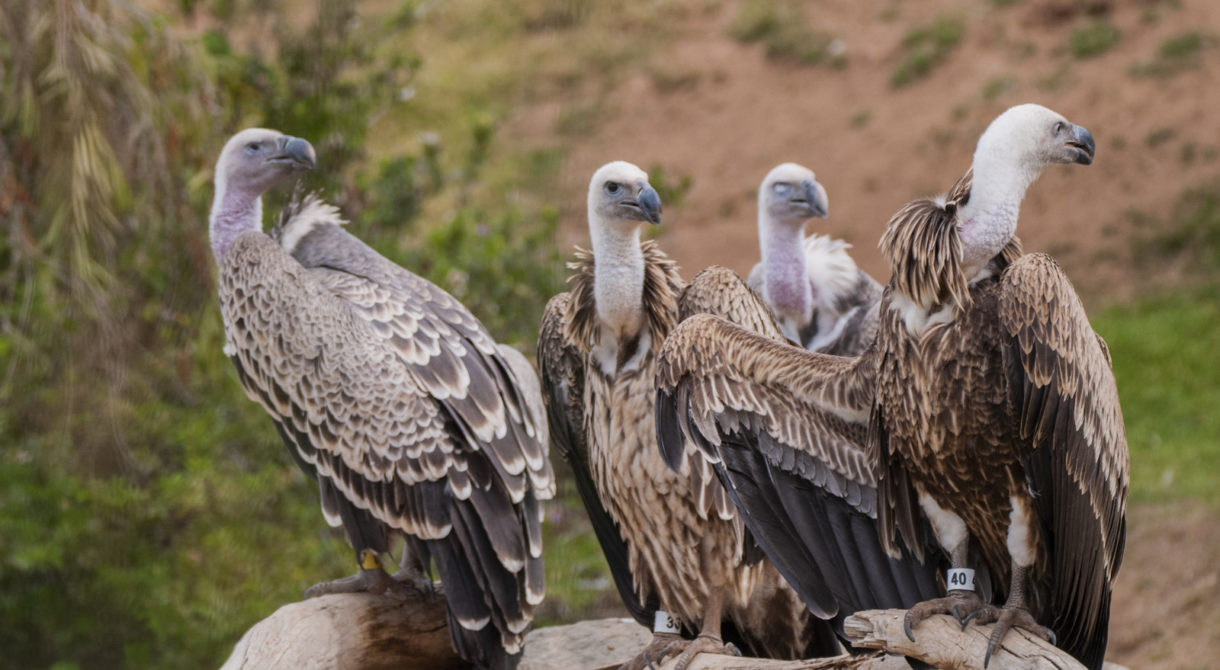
(987, 405)
(674, 542)
(392, 396)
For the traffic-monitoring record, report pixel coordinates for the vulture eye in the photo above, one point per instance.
(611, 187)
(782, 189)
(1058, 127)
(253, 147)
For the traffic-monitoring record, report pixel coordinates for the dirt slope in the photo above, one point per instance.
(707, 106)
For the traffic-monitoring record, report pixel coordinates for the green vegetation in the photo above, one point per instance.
(1165, 355)
(148, 513)
(782, 27)
(1093, 39)
(1177, 54)
(1168, 371)
(927, 47)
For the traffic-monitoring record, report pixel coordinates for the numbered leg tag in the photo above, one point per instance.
(663, 623)
(959, 579)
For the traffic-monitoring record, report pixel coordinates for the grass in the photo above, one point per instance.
(925, 48)
(783, 30)
(1094, 39)
(1168, 369)
(1176, 54)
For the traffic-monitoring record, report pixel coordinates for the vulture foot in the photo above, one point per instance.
(411, 577)
(1007, 618)
(963, 605)
(662, 645)
(374, 581)
(701, 644)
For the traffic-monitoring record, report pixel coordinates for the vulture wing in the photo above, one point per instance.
(786, 426)
(462, 458)
(561, 364)
(1077, 464)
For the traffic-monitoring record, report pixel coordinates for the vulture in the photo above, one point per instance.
(821, 300)
(677, 550)
(392, 396)
(986, 405)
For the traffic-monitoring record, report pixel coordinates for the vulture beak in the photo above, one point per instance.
(1082, 142)
(296, 152)
(811, 198)
(649, 204)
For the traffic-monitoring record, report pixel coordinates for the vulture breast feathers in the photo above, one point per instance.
(389, 392)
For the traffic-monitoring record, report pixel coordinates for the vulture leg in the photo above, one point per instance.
(709, 635)
(371, 579)
(411, 571)
(1013, 614)
(951, 533)
(661, 646)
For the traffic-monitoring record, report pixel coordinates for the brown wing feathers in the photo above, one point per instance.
(1077, 463)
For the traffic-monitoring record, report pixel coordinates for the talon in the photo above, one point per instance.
(906, 626)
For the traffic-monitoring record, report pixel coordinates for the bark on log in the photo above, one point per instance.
(940, 642)
(367, 632)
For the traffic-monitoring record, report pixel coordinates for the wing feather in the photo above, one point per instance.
(786, 428)
(1075, 445)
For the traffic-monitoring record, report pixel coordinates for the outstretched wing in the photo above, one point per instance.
(562, 368)
(788, 427)
(1077, 462)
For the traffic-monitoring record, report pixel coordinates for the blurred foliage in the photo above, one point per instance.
(1093, 39)
(1176, 54)
(782, 27)
(925, 48)
(148, 514)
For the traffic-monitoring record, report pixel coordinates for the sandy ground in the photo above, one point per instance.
(736, 114)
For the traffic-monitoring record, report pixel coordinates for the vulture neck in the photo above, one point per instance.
(785, 276)
(989, 220)
(618, 277)
(234, 212)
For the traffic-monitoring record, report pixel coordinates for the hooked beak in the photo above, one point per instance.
(1082, 143)
(649, 204)
(296, 153)
(811, 198)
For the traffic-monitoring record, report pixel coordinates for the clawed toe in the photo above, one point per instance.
(662, 646)
(1008, 618)
(960, 604)
(366, 581)
(701, 645)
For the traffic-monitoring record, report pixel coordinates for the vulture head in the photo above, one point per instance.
(791, 195)
(256, 159)
(619, 193)
(1031, 137)
(252, 161)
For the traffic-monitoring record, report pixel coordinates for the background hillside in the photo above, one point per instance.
(147, 512)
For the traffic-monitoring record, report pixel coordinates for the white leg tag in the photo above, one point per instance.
(959, 579)
(663, 623)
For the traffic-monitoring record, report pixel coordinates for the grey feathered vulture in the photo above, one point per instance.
(821, 300)
(673, 540)
(392, 396)
(987, 404)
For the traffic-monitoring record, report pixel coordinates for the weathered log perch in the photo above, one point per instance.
(366, 632)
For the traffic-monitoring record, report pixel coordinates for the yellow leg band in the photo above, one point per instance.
(368, 560)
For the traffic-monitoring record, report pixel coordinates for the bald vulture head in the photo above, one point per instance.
(620, 195)
(252, 162)
(791, 195)
(1029, 138)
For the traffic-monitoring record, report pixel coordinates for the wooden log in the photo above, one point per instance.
(940, 642)
(367, 632)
